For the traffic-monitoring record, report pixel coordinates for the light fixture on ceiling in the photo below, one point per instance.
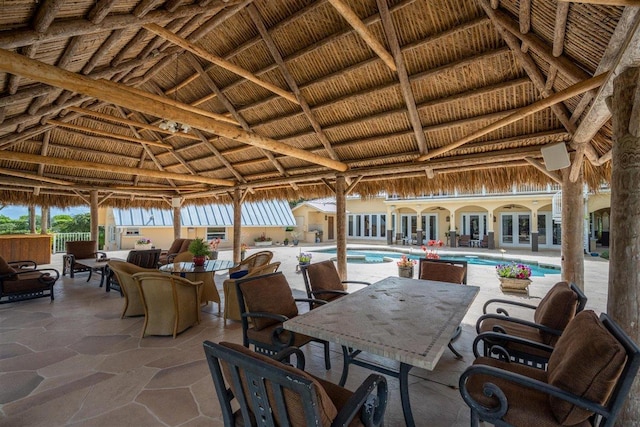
(172, 125)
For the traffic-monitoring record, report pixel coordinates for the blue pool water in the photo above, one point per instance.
(369, 257)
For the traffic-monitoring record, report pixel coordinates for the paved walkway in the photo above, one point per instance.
(75, 362)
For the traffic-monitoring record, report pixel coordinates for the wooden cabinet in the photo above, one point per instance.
(18, 247)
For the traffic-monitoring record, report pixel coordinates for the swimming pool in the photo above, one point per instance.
(365, 256)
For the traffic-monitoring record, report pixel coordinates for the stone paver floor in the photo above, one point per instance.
(75, 362)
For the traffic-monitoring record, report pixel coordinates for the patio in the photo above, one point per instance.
(75, 362)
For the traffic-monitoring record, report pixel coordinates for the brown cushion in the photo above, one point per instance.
(175, 246)
(556, 309)
(6, 268)
(270, 294)
(265, 336)
(324, 276)
(29, 282)
(184, 247)
(586, 361)
(339, 396)
(82, 249)
(518, 330)
(294, 405)
(441, 272)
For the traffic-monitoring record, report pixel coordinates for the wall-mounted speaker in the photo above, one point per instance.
(176, 202)
(555, 156)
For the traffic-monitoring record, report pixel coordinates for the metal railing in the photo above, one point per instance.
(60, 239)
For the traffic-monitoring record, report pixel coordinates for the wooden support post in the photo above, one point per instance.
(32, 219)
(44, 219)
(572, 230)
(237, 224)
(94, 215)
(341, 219)
(623, 302)
(176, 205)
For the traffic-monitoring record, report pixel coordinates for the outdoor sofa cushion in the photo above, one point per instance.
(269, 296)
(82, 249)
(557, 315)
(587, 361)
(5, 268)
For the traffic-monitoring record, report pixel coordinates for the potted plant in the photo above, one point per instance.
(286, 241)
(263, 240)
(142, 243)
(200, 250)
(295, 236)
(405, 267)
(514, 277)
(304, 258)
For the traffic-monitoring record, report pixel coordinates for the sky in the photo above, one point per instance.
(15, 212)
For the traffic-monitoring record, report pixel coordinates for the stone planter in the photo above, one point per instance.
(145, 246)
(509, 284)
(263, 243)
(405, 272)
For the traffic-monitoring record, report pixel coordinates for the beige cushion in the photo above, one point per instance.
(324, 276)
(556, 309)
(293, 403)
(270, 294)
(587, 361)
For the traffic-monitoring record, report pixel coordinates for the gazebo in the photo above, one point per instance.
(153, 103)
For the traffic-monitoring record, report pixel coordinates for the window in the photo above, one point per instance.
(370, 226)
(216, 233)
(132, 232)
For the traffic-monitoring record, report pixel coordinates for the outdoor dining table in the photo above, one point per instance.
(204, 273)
(407, 320)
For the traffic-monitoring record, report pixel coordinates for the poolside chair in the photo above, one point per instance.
(464, 240)
(265, 303)
(550, 317)
(589, 374)
(321, 281)
(277, 394)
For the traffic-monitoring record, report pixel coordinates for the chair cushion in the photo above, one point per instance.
(587, 361)
(270, 294)
(556, 309)
(518, 330)
(82, 249)
(175, 246)
(185, 245)
(323, 275)
(6, 268)
(441, 272)
(527, 407)
(265, 336)
(293, 403)
(238, 274)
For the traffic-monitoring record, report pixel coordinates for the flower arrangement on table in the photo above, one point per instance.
(304, 257)
(431, 250)
(406, 262)
(143, 241)
(513, 271)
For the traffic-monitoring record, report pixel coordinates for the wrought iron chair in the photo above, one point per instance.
(79, 249)
(445, 271)
(171, 303)
(231, 307)
(22, 280)
(590, 373)
(550, 317)
(321, 281)
(266, 302)
(271, 393)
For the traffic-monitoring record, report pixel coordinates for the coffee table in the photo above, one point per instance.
(98, 265)
(407, 320)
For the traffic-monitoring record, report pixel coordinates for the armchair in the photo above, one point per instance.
(21, 280)
(144, 258)
(267, 302)
(285, 395)
(124, 272)
(231, 307)
(171, 304)
(464, 240)
(550, 318)
(590, 373)
(79, 249)
(178, 245)
(484, 243)
(321, 281)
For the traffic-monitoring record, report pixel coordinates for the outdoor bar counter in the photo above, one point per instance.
(21, 247)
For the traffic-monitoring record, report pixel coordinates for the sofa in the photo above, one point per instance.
(22, 280)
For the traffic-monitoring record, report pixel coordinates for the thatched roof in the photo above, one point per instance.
(282, 95)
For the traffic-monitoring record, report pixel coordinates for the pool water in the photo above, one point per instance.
(374, 257)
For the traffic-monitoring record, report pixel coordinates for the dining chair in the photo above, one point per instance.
(231, 307)
(171, 303)
(265, 303)
(322, 281)
(267, 392)
(588, 377)
(445, 271)
(547, 323)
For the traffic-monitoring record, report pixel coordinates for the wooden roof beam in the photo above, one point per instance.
(605, 2)
(403, 76)
(561, 96)
(202, 53)
(352, 18)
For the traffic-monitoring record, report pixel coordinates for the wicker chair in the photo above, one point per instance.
(123, 274)
(321, 281)
(22, 280)
(287, 396)
(590, 373)
(550, 317)
(178, 245)
(266, 302)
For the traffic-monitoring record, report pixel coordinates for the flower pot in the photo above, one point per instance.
(263, 243)
(405, 272)
(198, 261)
(510, 284)
(295, 242)
(142, 246)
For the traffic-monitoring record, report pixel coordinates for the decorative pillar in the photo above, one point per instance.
(490, 231)
(176, 205)
(32, 220)
(341, 219)
(93, 200)
(572, 229)
(534, 231)
(237, 224)
(623, 303)
(453, 242)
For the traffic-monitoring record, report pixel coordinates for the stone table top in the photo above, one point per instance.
(407, 320)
